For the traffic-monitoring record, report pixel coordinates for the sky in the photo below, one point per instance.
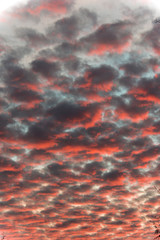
(79, 120)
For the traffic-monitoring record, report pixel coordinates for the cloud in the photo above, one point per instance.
(70, 27)
(49, 6)
(134, 68)
(46, 69)
(33, 37)
(79, 121)
(113, 37)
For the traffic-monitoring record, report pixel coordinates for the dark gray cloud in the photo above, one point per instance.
(71, 27)
(45, 68)
(32, 37)
(134, 68)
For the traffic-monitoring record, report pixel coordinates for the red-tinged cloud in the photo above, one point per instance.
(101, 78)
(101, 49)
(79, 121)
(36, 8)
(147, 90)
(131, 108)
(111, 38)
(59, 6)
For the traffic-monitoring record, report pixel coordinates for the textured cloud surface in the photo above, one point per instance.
(79, 120)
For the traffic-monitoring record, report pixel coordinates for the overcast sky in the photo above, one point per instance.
(79, 120)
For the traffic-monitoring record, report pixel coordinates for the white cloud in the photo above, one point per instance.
(7, 5)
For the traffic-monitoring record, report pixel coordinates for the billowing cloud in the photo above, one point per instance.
(113, 37)
(79, 120)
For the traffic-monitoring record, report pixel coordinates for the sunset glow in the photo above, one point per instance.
(79, 120)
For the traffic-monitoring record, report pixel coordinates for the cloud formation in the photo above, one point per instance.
(79, 121)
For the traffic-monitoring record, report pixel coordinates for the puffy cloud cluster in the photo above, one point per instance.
(79, 123)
